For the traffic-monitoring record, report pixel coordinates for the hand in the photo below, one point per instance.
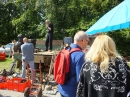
(48, 28)
(47, 25)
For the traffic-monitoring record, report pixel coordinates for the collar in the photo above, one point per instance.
(72, 45)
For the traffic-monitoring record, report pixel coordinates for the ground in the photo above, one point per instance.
(8, 93)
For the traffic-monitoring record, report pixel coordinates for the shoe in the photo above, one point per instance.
(50, 50)
(45, 50)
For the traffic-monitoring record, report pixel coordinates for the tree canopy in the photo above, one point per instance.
(28, 17)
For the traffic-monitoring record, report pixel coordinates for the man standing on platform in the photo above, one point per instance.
(49, 35)
(27, 50)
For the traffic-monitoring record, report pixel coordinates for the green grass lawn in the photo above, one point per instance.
(5, 64)
(128, 64)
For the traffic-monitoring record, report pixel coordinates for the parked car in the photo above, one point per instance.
(8, 49)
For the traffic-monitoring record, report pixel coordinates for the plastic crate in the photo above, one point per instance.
(3, 85)
(13, 84)
(16, 84)
(22, 86)
(10, 84)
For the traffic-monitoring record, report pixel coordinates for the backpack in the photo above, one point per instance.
(62, 65)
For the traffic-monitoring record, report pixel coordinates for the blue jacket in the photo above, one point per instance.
(76, 62)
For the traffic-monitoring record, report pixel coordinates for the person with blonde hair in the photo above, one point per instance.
(105, 73)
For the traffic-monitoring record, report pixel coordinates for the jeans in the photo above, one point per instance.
(31, 64)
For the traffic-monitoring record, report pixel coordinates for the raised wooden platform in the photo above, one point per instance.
(55, 42)
(37, 56)
(46, 58)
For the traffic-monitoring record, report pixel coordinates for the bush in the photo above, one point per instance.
(122, 40)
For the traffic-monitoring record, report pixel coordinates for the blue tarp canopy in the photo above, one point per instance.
(115, 19)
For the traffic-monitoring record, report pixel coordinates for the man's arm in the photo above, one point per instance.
(50, 27)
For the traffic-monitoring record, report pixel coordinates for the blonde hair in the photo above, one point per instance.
(102, 51)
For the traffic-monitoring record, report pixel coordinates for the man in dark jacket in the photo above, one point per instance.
(49, 35)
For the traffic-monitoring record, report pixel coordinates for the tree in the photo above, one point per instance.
(29, 18)
(76, 14)
(7, 10)
(80, 15)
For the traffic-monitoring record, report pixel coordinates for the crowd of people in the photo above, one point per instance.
(99, 72)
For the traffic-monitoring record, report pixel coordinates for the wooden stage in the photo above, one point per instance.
(46, 58)
(37, 56)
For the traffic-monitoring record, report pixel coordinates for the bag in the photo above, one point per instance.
(62, 65)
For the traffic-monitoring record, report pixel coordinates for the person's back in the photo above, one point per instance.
(98, 84)
(28, 58)
(105, 73)
(27, 51)
(76, 61)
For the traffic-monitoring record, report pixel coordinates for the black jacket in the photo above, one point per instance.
(52, 29)
(94, 83)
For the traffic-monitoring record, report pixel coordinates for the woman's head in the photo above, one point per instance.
(102, 51)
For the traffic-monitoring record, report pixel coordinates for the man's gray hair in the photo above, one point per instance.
(80, 35)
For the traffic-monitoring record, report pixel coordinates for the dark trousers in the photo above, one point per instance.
(48, 41)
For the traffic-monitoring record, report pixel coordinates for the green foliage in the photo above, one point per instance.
(76, 14)
(122, 41)
(7, 13)
(68, 16)
(29, 19)
(21, 16)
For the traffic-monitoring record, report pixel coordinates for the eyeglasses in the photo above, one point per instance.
(87, 40)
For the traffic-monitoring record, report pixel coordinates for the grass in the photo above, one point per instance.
(128, 64)
(5, 64)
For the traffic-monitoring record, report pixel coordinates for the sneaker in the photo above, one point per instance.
(45, 50)
(50, 50)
